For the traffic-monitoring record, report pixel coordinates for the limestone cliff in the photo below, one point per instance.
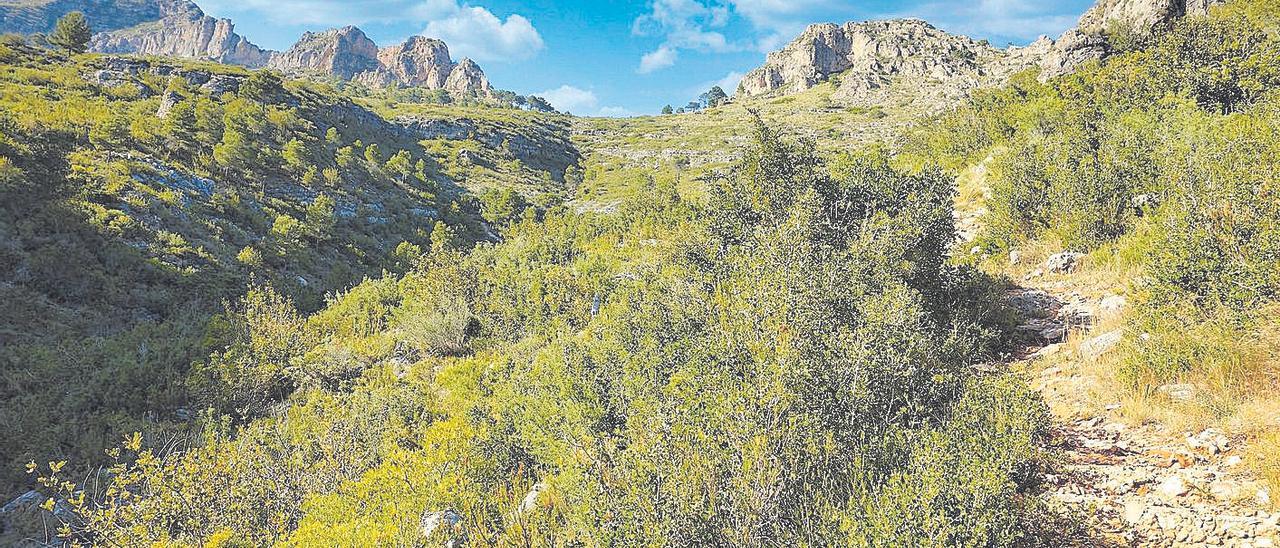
(341, 53)
(865, 59)
(187, 33)
(178, 28)
(869, 56)
(419, 61)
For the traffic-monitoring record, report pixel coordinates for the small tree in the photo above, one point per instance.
(539, 104)
(262, 87)
(72, 33)
(296, 156)
(668, 110)
(716, 97)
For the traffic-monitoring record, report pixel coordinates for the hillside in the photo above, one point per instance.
(989, 298)
(169, 188)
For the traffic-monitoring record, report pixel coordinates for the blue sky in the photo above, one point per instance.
(618, 58)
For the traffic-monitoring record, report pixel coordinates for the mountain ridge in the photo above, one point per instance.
(868, 56)
(180, 28)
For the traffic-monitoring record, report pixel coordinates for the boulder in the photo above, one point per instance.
(1211, 441)
(445, 524)
(1173, 487)
(1113, 305)
(1178, 392)
(1098, 346)
(1063, 263)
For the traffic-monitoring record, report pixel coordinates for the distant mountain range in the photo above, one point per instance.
(179, 28)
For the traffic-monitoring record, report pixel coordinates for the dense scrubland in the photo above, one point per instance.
(1163, 164)
(778, 352)
(132, 210)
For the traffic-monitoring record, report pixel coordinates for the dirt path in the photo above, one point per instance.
(1139, 485)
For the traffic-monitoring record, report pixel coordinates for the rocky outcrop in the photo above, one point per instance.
(425, 62)
(864, 59)
(1140, 15)
(419, 61)
(467, 77)
(1087, 42)
(178, 28)
(341, 53)
(870, 56)
(31, 16)
(115, 71)
(188, 33)
(544, 147)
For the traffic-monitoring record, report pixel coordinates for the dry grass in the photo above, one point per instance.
(1264, 458)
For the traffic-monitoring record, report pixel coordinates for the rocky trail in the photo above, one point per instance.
(1131, 485)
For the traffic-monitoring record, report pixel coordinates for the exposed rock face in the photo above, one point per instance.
(467, 77)
(342, 53)
(114, 71)
(178, 28)
(30, 16)
(425, 62)
(188, 33)
(938, 66)
(1087, 42)
(1142, 15)
(419, 61)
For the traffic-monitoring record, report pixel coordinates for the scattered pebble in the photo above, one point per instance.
(1173, 487)
(1178, 392)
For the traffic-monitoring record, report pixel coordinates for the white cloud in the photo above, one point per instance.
(683, 24)
(477, 33)
(571, 99)
(582, 102)
(470, 31)
(729, 83)
(658, 59)
(1021, 20)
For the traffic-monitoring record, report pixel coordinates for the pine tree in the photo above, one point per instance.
(72, 33)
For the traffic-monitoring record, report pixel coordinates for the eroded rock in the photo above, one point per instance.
(1063, 263)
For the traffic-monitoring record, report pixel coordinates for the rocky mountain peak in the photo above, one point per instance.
(1087, 42)
(184, 31)
(343, 53)
(465, 77)
(868, 56)
(419, 61)
(179, 28)
(865, 59)
(1140, 15)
